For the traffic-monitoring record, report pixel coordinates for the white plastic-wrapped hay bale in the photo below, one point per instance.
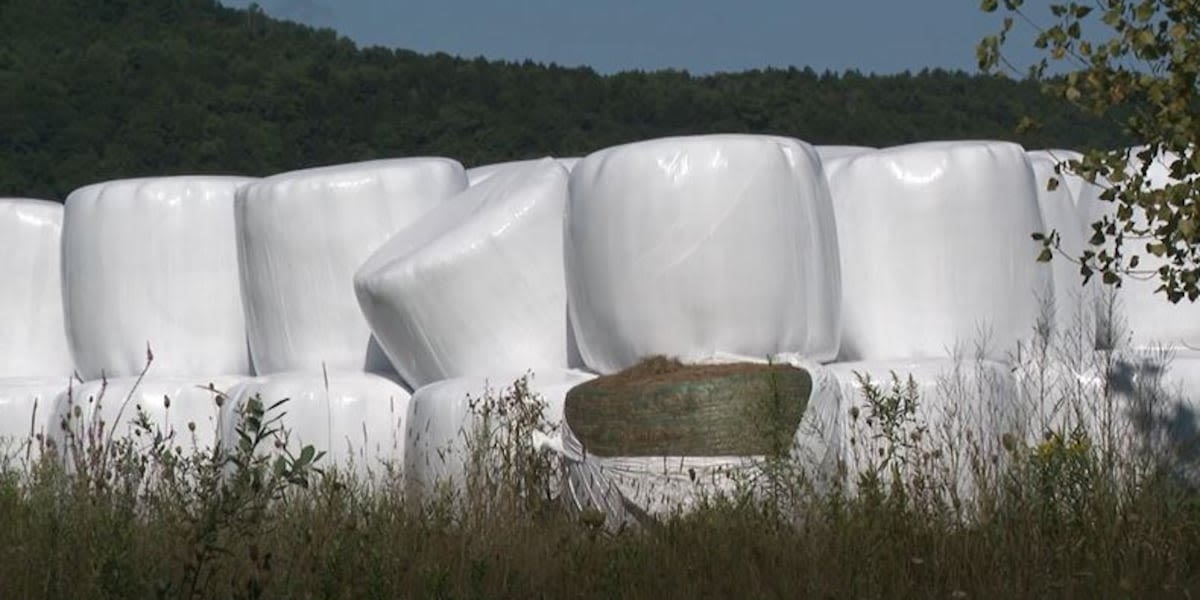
(445, 422)
(475, 286)
(302, 235)
(936, 251)
(154, 262)
(694, 246)
(25, 406)
(33, 342)
(356, 418)
(187, 408)
(1060, 213)
(632, 471)
(1143, 319)
(943, 421)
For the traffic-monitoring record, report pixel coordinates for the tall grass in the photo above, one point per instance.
(1086, 501)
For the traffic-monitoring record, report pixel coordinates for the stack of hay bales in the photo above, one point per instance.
(35, 363)
(301, 235)
(150, 267)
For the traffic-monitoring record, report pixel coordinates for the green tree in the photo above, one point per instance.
(1136, 63)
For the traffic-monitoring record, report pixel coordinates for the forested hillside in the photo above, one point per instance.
(94, 90)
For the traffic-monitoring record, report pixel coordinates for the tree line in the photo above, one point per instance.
(123, 88)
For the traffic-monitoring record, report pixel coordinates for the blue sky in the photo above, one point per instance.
(702, 36)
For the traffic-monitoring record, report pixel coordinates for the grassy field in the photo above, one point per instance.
(1064, 514)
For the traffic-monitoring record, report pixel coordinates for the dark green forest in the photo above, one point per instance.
(101, 89)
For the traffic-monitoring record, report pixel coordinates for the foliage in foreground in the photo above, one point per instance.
(1134, 63)
(143, 517)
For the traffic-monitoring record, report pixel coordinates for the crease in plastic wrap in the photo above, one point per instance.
(476, 285)
(637, 491)
(945, 429)
(480, 174)
(154, 262)
(445, 420)
(1134, 316)
(1060, 213)
(692, 246)
(302, 235)
(833, 157)
(356, 418)
(187, 408)
(936, 251)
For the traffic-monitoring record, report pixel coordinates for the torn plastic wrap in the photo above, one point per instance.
(356, 418)
(1072, 300)
(303, 234)
(445, 422)
(697, 245)
(26, 404)
(1134, 316)
(187, 408)
(482, 173)
(154, 262)
(936, 251)
(33, 341)
(475, 286)
(947, 428)
(634, 491)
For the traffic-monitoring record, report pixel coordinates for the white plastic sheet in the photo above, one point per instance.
(1060, 213)
(33, 339)
(445, 420)
(692, 246)
(154, 261)
(936, 250)
(950, 423)
(628, 490)
(303, 234)
(475, 286)
(186, 408)
(1145, 320)
(26, 404)
(356, 418)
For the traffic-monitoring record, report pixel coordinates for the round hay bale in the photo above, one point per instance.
(661, 407)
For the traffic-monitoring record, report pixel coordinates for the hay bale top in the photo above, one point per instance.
(661, 407)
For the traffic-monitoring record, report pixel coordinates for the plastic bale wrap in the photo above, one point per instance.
(187, 408)
(33, 341)
(697, 245)
(1134, 316)
(301, 237)
(356, 418)
(154, 262)
(941, 422)
(651, 441)
(25, 406)
(448, 420)
(1060, 213)
(475, 286)
(936, 251)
